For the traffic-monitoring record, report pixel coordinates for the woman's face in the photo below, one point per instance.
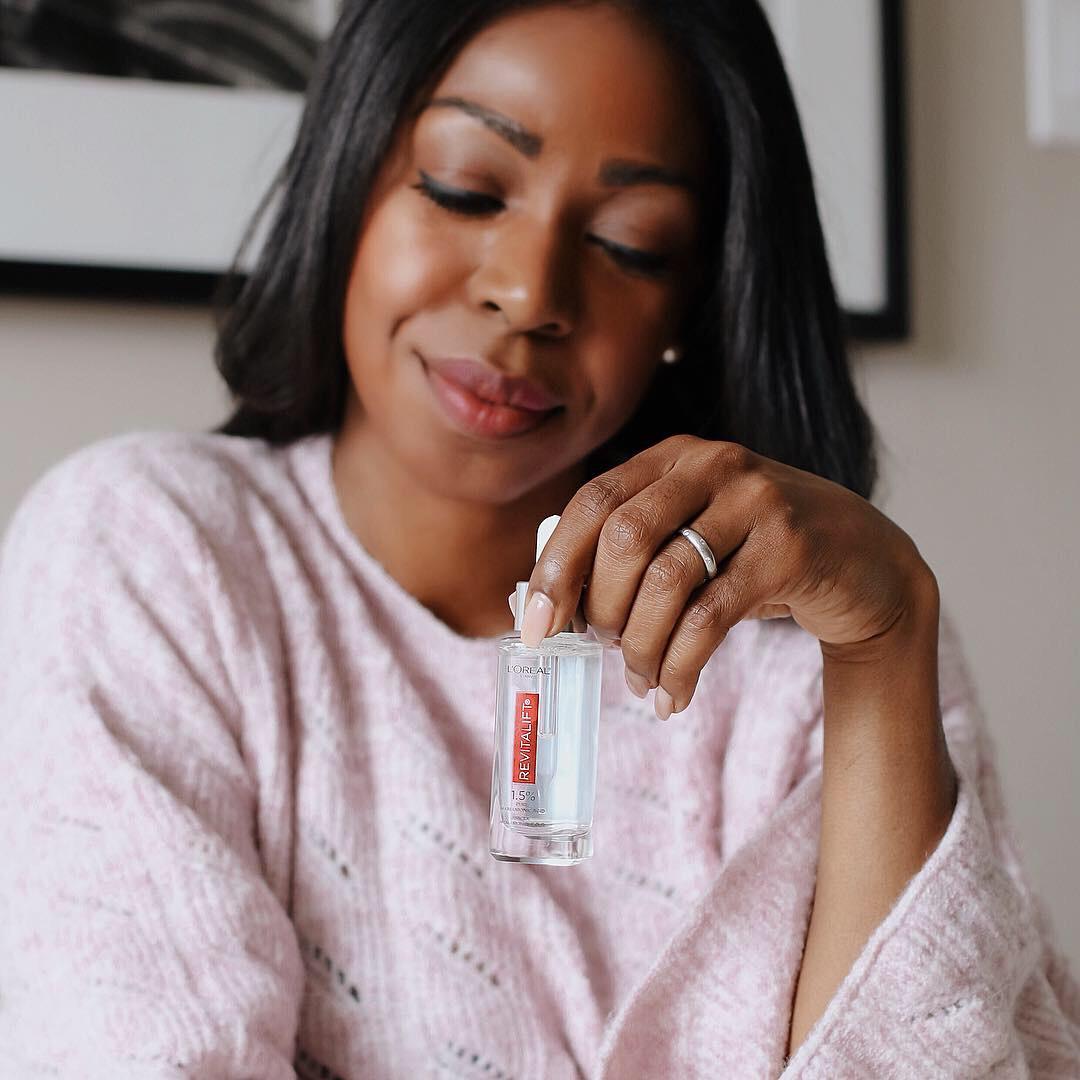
(546, 262)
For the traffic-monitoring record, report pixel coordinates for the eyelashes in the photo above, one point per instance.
(473, 204)
(470, 203)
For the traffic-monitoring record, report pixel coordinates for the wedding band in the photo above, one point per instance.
(702, 548)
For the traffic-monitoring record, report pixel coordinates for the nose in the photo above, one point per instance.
(526, 274)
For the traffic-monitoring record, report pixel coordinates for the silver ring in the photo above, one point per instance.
(702, 548)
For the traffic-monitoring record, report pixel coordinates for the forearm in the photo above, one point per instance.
(887, 797)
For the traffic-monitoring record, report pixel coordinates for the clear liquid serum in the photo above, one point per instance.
(547, 726)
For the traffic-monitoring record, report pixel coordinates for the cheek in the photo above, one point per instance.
(619, 372)
(633, 320)
(400, 268)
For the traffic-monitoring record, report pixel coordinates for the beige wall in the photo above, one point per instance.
(977, 413)
(74, 372)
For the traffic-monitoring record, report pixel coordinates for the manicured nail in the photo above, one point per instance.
(510, 600)
(638, 683)
(663, 703)
(606, 639)
(539, 614)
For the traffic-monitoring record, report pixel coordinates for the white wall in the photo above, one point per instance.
(977, 413)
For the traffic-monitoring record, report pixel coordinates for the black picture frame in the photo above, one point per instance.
(892, 321)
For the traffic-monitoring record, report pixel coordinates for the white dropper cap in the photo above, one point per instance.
(547, 527)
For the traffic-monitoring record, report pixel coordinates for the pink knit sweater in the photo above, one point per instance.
(244, 784)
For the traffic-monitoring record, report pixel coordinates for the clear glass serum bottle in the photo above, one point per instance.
(547, 725)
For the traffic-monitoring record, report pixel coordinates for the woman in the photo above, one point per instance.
(250, 680)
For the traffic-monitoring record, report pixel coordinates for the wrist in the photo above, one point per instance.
(882, 710)
(912, 637)
(882, 706)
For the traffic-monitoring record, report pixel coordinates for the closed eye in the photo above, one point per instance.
(473, 204)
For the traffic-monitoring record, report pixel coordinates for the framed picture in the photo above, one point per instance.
(141, 135)
(845, 62)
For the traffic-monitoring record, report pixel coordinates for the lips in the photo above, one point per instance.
(492, 386)
(473, 416)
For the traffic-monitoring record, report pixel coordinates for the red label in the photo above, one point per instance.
(526, 710)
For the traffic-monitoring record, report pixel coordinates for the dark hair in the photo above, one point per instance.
(764, 359)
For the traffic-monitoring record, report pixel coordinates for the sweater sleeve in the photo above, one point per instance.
(963, 977)
(138, 936)
(960, 979)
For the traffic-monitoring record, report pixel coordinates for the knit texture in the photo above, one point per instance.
(244, 793)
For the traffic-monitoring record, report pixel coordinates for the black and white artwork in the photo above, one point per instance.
(139, 136)
(252, 43)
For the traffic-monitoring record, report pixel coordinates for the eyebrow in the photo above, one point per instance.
(615, 172)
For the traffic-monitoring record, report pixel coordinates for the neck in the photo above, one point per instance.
(460, 558)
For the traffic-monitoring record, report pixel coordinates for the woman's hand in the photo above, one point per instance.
(786, 541)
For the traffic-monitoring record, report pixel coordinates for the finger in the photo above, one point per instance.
(707, 479)
(751, 579)
(670, 580)
(567, 559)
(631, 539)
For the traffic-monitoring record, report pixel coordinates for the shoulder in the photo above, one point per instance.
(146, 481)
(955, 680)
(165, 515)
(128, 537)
(196, 465)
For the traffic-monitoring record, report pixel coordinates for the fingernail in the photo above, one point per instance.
(510, 600)
(663, 703)
(637, 683)
(606, 639)
(539, 613)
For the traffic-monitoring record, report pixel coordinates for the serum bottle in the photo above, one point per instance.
(547, 726)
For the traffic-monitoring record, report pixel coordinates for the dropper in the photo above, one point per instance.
(577, 623)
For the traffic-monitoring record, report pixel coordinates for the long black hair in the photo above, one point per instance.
(764, 359)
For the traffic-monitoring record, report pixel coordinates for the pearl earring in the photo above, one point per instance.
(671, 355)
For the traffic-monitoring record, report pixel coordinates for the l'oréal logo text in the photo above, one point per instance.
(526, 669)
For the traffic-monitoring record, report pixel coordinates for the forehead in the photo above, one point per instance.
(592, 79)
